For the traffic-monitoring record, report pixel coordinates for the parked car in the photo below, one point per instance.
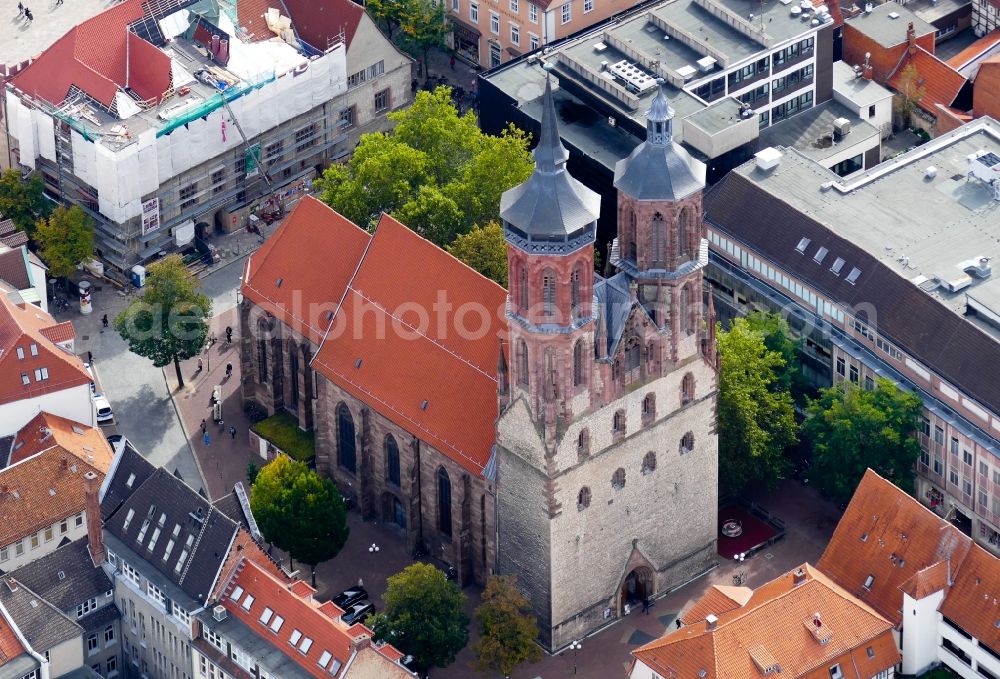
(358, 612)
(349, 597)
(114, 438)
(104, 413)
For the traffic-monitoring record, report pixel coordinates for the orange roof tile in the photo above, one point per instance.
(975, 50)
(318, 22)
(301, 613)
(22, 328)
(45, 431)
(717, 600)
(887, 535)
(777, 627)
(313, 253)
(60, 332)
(39, 492)
(10, 645)
(941, 82)
(926, 581)
(973, 602)
(246, 549)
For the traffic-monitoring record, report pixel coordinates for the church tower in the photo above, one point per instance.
(606, 449)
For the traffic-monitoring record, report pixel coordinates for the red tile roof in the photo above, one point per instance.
(319, 22)
(973, 602)
(313, 253)
(99, 56)
(887, 535)
(317, 622)
(45, 431)
(250, 14)
(10, 645)
(405, 303)
(717, 600)
(927, 581)
(60, 332)
(397, 343)
(21, 328)
(975, 50)
(14, 268)
(778, 627)
(941, 82)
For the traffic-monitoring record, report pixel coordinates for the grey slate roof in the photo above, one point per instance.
(161, 506)
(80, 579)
(128, 471)
(550, 204)
(19, 667)
(229, 505)
(614, 304)
(39, 621)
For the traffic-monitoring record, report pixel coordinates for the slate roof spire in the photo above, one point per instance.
(660, 119)
(550, 154)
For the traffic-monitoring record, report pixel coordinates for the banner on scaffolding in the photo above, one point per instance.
(150, 215)
(253, 154)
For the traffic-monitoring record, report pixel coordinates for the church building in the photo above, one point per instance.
(562, 431)
(607, 453)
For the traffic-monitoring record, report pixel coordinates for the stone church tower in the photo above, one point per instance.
(607, 456)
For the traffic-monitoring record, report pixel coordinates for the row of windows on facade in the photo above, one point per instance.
(34, 541)
(347, 459)
(717, 86)
(565, 15)
(648, 467)
(659, 237)
(549, 305)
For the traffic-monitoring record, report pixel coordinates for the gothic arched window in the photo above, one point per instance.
(522, 362)
(649, 463)
(685, 310)
(657, 236)
(578, 358)
(687, 389)
(522, 289)
(549, 293)
(583, 499)
(444, 502)
(618, 479)
(685, 230)
(346, 440)
(583, 442)
(687, 443)
(575, 292)
(392, 459)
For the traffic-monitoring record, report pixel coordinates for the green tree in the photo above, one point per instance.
(66, 238)
(300, 511)
(435, 172)
(508, 628)
(778, 338)
(423, 26)
(756, 421)
(485, 250)
(388, 13)
(852, 429)
(23, 200)
(911, 90)
(253, 471)
(169, 323)
(424, 616)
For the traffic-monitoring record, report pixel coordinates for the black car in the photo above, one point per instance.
(358, 612)
(349, 597)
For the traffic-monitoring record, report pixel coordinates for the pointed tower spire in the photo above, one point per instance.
(550, 154)
(660, 119)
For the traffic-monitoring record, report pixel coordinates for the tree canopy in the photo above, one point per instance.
(436, 171)
(778, 338)
(418, 25)
(23, 200)
(300, 511)
(756, 419)
(66, 238)
(169, 323)
(508, 628)
(852, 429)
(485, 250)
(424, 616)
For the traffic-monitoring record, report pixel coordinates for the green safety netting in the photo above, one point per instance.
(209, 105)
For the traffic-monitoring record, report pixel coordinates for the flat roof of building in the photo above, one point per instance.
(811, 132)
(887, 24)
(925, 224)
(22, 40)
(859, 90)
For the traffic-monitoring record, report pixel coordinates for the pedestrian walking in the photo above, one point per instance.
(452, 62)
(646, 605)
(90, 358)
(104, 318)
(59, 2)
(204, 426)
(20, 9)
(229, 335)
(200, 365)
(207, 439)
(212, 340)
(232, 432)
(229, 370)
(27, 13)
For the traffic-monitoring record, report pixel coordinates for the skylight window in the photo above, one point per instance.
(305, 645)
(265, 617)
(820, 255)
(294, 639)
(325, 659)
(803, 244)
(853, 276)
(869, 581)
(131, 480)
(277, 623)
(335, 667)
(247, 602)
(838, 264)
(128, 519)
(237, 593)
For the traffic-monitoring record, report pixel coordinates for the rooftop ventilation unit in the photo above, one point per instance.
(869, 7)
(687, 71)
(841, 127)
(600, 47)
(930, 172)
(979, 267)
(985, 166)
(795, 10)
(706, 64)
(219, 613)
(893, 15)
(633, 76)
(768, 159)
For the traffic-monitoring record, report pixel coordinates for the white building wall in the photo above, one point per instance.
(948, 658)
(64, 657)
(45, 547)
(920, 634)
(73, 403)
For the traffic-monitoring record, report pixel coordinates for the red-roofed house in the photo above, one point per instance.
(22, 273)
(233, 119)
(801, 624)
(262, 625)
(940, 590)
(38, 370)
(404, 407)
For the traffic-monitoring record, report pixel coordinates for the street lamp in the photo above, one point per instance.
(741, 574)
(374, 548)
(575, 646)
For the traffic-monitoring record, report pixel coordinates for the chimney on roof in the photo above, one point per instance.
(799, 576)
(711, 621)
(361, 641)
(12, 584)
(866, 70)
(911, 38)
(92, 507)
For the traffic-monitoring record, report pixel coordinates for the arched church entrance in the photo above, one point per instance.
(636, 587)
(393, 513)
